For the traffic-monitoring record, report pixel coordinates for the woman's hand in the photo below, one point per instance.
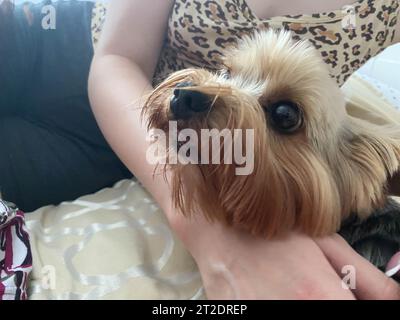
(370, 283)
(235, 265)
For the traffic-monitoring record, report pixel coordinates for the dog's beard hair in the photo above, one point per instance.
(308, 181)
(276, 198)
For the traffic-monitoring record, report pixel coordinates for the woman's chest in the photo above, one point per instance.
(200, 31)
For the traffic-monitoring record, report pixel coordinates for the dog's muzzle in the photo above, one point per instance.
(187, 103)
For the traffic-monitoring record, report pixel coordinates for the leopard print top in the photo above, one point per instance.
(200, 30)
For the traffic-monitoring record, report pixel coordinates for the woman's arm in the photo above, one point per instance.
(121, 73)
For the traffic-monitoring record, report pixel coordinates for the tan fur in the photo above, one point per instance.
(309, 181)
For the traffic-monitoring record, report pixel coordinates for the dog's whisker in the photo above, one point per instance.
(213, 103)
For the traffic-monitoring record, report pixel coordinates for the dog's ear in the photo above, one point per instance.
(369, 156)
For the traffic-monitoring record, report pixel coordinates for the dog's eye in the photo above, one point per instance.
(285, 116)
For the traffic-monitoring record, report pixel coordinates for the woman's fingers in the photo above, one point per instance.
(393, 267)
(369, 282)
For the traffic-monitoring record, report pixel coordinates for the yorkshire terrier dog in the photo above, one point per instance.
(316, 168)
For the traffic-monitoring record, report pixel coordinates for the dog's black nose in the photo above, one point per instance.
(186, 103)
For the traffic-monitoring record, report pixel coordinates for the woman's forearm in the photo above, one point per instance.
(116, 90)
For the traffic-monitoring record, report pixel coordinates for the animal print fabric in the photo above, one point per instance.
(98, 19)
(200, 30)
